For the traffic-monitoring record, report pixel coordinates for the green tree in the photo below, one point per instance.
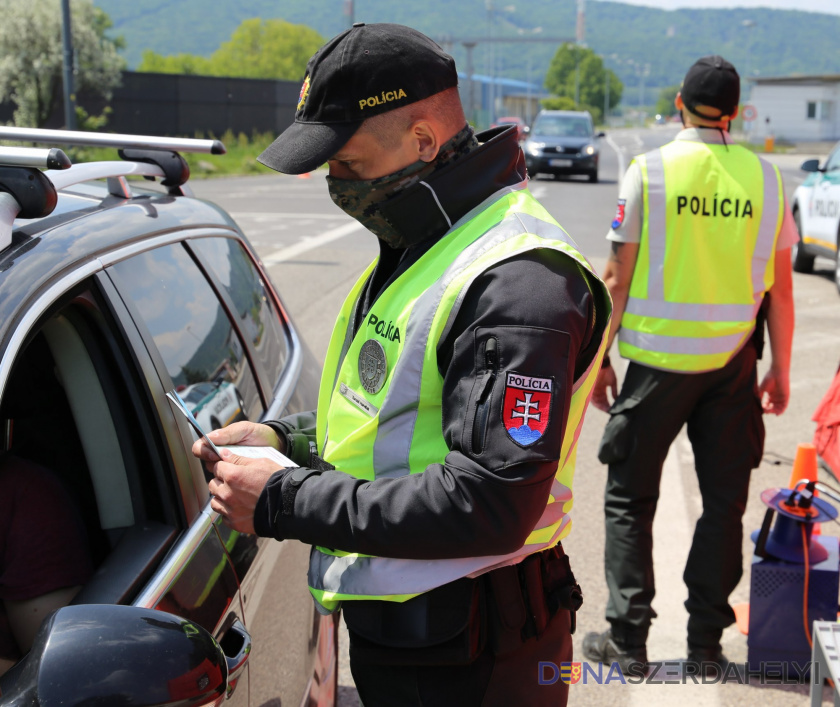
(31, 55)
(174, 63)
(577, 73)
(265, 49)
(558, 103)
(665, 102)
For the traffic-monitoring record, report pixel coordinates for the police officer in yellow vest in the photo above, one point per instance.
(700, 252)
(435, 479)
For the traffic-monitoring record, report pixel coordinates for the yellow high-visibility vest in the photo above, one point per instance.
(380, 401)
(711, 218)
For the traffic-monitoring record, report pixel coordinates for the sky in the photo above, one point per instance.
(827, 6)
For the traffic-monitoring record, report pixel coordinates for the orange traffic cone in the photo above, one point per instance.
(805, 464)
(305, 175)
(805, 467)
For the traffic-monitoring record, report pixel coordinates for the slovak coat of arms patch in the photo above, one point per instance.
(526, 407)
(619, 214)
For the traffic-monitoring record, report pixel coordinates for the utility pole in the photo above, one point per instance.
(580, 41)
(350, 11)
(580, 29)
(469, 46)
(67, 41)
(606, 92)
(491, 114)
(528, 100)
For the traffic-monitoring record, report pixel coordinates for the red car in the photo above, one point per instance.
(521, 128)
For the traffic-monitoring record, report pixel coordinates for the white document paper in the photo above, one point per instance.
(242, 451)
(262, 453)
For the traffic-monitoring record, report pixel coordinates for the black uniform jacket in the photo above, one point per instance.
(538, 309)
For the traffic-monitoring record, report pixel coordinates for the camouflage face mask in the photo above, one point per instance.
(362, 199)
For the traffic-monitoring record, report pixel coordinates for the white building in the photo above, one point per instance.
(796, 108)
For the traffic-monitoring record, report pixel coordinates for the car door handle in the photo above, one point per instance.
(236, 645)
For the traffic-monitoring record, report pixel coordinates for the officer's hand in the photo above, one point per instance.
(774, 391)
(236, 487)
(243, 433)
(605, 381)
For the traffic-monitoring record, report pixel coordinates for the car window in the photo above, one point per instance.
(255, 308)
(87, 501)
(562, 126)
(200, 347)
(833, 162)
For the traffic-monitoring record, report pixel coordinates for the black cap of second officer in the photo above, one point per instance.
(364, 71)
(712, 81)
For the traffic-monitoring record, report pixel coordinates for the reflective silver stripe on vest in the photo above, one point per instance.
(387, 576)
(767, 230)
(691, 312)
(656, 225)
(683, 344)
(398, 413)
(655, 305)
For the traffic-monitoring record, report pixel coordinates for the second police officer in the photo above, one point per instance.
(700, 255)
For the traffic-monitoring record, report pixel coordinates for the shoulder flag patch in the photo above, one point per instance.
(619, 214)
(526, 407)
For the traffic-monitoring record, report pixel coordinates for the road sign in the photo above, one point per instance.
(749, 113)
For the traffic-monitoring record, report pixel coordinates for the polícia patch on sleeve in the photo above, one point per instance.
(526, 407)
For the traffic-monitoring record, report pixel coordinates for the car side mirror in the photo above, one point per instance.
(601, 134)
(104, 654)
(810, 166)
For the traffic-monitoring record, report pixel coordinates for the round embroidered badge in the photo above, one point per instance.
(373, 366)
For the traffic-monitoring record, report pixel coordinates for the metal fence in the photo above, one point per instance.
(174, 104)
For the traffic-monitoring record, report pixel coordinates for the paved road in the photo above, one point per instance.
(315, 252)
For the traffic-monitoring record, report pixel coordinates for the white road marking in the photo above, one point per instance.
(538, 190)
(311, 242)
(620, 156)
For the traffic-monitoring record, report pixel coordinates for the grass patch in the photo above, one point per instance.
(241, 156)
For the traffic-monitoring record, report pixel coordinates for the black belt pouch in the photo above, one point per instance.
(442, 626)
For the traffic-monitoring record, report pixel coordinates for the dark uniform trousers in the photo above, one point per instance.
(499, 671)
(723, 413)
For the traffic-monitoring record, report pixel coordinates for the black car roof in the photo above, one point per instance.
(87, 222)
(83, 228)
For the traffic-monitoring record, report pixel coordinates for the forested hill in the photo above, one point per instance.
(759, 41)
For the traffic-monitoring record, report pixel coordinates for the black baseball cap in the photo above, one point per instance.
(712, 81)
(364, 71)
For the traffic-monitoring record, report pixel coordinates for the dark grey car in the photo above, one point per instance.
(107, 301)
(563, 142)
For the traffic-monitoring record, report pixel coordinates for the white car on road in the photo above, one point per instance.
(816, 210)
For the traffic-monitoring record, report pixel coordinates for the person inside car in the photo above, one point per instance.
(44, 556)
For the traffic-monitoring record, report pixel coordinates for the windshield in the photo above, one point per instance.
(562, 126)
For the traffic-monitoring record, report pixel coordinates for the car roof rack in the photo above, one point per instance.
(34, 157)
(90, 139)
(27, 192)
